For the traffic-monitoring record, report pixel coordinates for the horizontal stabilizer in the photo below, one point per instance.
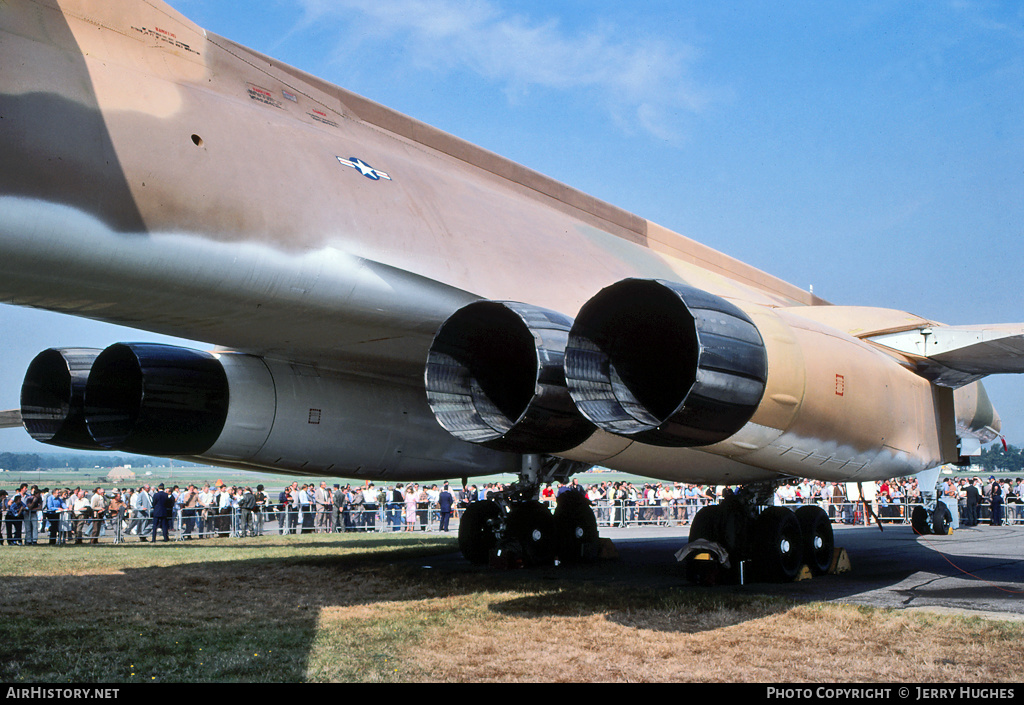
(953, 356)
(10, 419)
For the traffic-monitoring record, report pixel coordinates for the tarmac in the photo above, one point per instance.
(974, 571)
(977, 571)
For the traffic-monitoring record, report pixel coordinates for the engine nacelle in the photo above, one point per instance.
(665, 364)
(495, 377)
(53, 394)
(243, 411)
(156, 399)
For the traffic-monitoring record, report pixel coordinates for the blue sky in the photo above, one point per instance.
(872, 150)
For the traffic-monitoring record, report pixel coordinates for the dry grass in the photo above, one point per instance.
(749, 641)
(339, 609)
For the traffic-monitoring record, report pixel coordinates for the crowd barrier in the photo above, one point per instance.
(59, 528)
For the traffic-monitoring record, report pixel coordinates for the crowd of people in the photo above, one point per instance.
(147, 513)
(1000, 501)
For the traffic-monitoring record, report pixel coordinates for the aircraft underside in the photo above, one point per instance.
(443, 313)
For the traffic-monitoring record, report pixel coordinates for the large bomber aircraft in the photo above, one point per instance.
(387, 301)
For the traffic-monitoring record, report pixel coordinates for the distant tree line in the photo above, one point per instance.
(995, 459)
(19, 462)
(22, 462)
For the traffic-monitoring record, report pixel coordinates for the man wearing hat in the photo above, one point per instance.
(163, 504)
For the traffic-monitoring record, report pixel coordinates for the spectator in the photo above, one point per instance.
(33, 509)
(14, 517)
(98, 504)
(163, 506)
(82, 512)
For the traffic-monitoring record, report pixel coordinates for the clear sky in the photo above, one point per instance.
(873, 150)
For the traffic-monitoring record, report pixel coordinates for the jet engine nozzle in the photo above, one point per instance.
(665, 364)
(156, 399)
(494, 377)
(52, 397)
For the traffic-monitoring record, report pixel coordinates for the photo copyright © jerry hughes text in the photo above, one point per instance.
(903, 692)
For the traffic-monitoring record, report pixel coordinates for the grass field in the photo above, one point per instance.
(372, 609)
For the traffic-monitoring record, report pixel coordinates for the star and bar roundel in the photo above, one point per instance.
(364, 168)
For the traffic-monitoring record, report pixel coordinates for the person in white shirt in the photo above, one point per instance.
(82, 511)
(142, 504)
(224, 512)
(98, 503)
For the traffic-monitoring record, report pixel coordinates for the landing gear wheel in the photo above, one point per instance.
(919, 521)
(705, 524)
(476, 531)
(819, 541)
(531, 524)
(727, 525)
(575, 526)
(778, 545)
(941, 519)
(734, 531)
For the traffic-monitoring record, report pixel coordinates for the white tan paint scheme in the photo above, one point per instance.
(159, 176)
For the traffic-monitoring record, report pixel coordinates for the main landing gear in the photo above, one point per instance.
(933, 515)
(764, 543)
(512, 529)
(931, 518)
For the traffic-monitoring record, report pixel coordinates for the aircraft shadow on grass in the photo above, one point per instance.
(261, 604)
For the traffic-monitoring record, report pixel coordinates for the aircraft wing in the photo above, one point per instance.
(10, 418)
(389, 301)
(957, 355)
(950, 356)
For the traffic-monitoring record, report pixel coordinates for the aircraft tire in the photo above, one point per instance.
(734, 530)
(941, 519)
(778, 545)
(727, 525)
(533, 526)
(919, 521)
(575, 526)
(476, 533)
(705, 524)
(819, 539)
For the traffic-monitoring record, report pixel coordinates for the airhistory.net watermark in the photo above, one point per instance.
(49, 693)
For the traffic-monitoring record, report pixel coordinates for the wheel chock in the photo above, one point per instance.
(703, 568)
(840, 562)
(803, 574)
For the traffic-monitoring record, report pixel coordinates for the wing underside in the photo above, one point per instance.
(952, 356)
(10, 418)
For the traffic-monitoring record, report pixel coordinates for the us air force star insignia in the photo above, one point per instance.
(364, 168)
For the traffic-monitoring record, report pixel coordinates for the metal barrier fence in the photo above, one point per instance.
(59, 528)
(681, 512)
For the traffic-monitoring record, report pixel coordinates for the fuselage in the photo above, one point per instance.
(158, 176)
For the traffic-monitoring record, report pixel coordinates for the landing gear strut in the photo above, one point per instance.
(516, 529)
(772, 541)
(933, 515)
